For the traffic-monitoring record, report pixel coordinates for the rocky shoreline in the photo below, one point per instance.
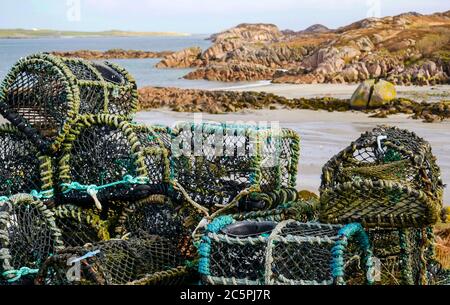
(112, 54)
(215, 102)
(408, 49)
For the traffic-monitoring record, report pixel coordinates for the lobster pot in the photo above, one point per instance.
(284, 253)
(215, 162)
(155, 143)
(142, 260)
(23, 168)
(43, 93)
(28, 235)
(386, 178)
(405, 255)
(102, 160)
(158, 215)
(80, 226)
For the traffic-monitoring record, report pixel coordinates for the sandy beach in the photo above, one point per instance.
(417, 93)
(323, 134)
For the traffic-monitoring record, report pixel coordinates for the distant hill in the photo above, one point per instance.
(39, 33)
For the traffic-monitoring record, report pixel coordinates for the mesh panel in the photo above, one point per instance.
(266, 252)
(28, 236)
(216, 162)
(102, 150)
(144, 260)
(23, 168)
(158, 215)
(80, 226)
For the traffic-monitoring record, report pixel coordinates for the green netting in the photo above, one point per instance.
(80, 226)
(28, 235)
(102, 159)
(139, 260)
(216, 162)
(388, 177)
(22, 167)
(158, 215)
(43, 93)
(284, 253)
(154, 142)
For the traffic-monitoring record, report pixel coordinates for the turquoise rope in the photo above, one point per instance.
(204, 249)
(128, 179)
(337, 252)
(19, 273)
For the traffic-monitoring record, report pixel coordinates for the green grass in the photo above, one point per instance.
(23, 33)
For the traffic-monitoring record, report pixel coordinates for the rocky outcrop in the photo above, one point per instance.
(250, 32)
(232, 72)
(406, 49)
(190, 100)
(112, 54)
(186, 58)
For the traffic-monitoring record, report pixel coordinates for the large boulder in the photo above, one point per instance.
(383, 93)
(373, 94)
(186, 58)
(361, 96)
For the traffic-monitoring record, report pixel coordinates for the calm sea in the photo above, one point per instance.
(142, 69)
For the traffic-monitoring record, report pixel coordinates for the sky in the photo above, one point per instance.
(199, 16)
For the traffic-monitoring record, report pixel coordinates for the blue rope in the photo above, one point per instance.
(204, 249)
(128, 179)
(19, 273)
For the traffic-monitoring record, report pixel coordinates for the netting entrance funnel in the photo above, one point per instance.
(284, 253)
(386, 178)
(102, 161)
(28, 235)
(136, 261)
(23, 168)
(215, 162)
(43, 93)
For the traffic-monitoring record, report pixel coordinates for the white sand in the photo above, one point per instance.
(323, 134)
(428, 93)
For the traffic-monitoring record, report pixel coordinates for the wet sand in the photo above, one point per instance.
(417, 93)
(323, 134)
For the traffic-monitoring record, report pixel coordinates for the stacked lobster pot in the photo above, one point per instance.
(78, 161)
(388, 181)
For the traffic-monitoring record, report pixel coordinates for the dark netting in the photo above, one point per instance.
(388, 177)
(215, 162)
(145, 259)
(284, 253)
(158, 215)
(102, 158)
(22, 167)
(28, 235)
(43, 93)
(80, 226)
(156, 156)
(404, 255)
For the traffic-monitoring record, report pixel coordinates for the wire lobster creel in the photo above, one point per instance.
(28, 235)
(158, 215)
(102, 161)
(215, 162)
(139, 260)
(80, 226)
(43, 94)
(386, 178)
(23, 169)
(284, 253)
